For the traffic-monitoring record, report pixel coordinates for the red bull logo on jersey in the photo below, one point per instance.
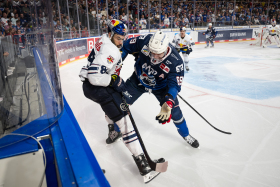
(110, 59)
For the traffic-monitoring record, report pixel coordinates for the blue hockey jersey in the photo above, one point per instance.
(168, 73)
(211, 32)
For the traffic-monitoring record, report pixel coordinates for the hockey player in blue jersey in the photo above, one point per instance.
(103, 85)
(211, 34)
(159, 70)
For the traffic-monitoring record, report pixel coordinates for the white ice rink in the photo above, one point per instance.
(236, 87)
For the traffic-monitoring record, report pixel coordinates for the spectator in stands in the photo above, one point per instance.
(14, 19)
(278, 18)
(58, 27)
(255, 20)
(22, 19)
(54, 21)
(166, 21)
(7, 11)
(124, 18)
(9, 26)
(33, 19)
(4, 19)
(74, 32)
(136, 23)
(72, 23)
(176, 23)
(236, 21)
(102, 20)
(104, 28)
(2, 29)
(26, 10)
(85, 32)
(18, 27)
(143, 22)
(263, 20)
(228, 20)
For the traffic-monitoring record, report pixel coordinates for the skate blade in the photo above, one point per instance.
(150, 176)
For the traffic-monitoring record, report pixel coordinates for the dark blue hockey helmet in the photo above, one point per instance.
(117, 27)
(183, 28)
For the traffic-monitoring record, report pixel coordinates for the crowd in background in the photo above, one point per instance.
(18, 17)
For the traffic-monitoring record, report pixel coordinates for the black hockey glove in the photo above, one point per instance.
(136, 56)
(117, 83)
(165, 112)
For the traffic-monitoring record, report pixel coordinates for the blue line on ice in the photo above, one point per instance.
(211, 73)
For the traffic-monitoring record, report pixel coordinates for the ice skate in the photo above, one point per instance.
(192, 141)
(187, 68)
(206, 46)
(144, 168)
(113, 135)
(212, 46)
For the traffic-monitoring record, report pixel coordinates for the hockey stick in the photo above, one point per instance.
(203, 117)
(159, 167)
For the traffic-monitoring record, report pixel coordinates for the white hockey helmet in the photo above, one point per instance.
(210, 24)
(273, 22)
(158, 43)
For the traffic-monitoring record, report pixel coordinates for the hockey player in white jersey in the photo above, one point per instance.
(103, 85)
(183, 43)
(271, 34)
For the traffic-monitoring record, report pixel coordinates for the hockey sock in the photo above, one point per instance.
(116, 128)
(129, 136)
(109, 121)
(182, 128)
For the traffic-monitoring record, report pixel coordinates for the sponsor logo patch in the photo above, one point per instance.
(165, 68)
(168, 62)
(110, 59)
(145, 50)
(179, 68)
(123, 107)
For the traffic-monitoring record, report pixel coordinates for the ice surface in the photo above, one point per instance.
(235, 86)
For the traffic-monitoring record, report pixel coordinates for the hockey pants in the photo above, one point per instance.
(211, 41)
(136, 90)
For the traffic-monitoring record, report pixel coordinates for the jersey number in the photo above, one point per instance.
(103, 69)
(179, 80)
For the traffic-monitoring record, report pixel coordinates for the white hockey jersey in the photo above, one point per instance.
(273, 30)
(103, 61)
(180, 42)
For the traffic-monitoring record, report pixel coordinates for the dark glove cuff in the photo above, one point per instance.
(114, 77)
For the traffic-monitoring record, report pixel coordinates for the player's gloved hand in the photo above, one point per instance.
(203, 33)
(165, 112)
(214, 36)
(117, 83)
(83, 73)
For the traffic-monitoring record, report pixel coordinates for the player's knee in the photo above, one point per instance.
(113, 110)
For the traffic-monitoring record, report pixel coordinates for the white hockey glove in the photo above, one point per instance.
(165, 112)
(83, 73)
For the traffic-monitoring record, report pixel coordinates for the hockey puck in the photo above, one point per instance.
(103, 171)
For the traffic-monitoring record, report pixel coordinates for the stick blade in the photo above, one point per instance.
(162, 167)
(159, 167)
